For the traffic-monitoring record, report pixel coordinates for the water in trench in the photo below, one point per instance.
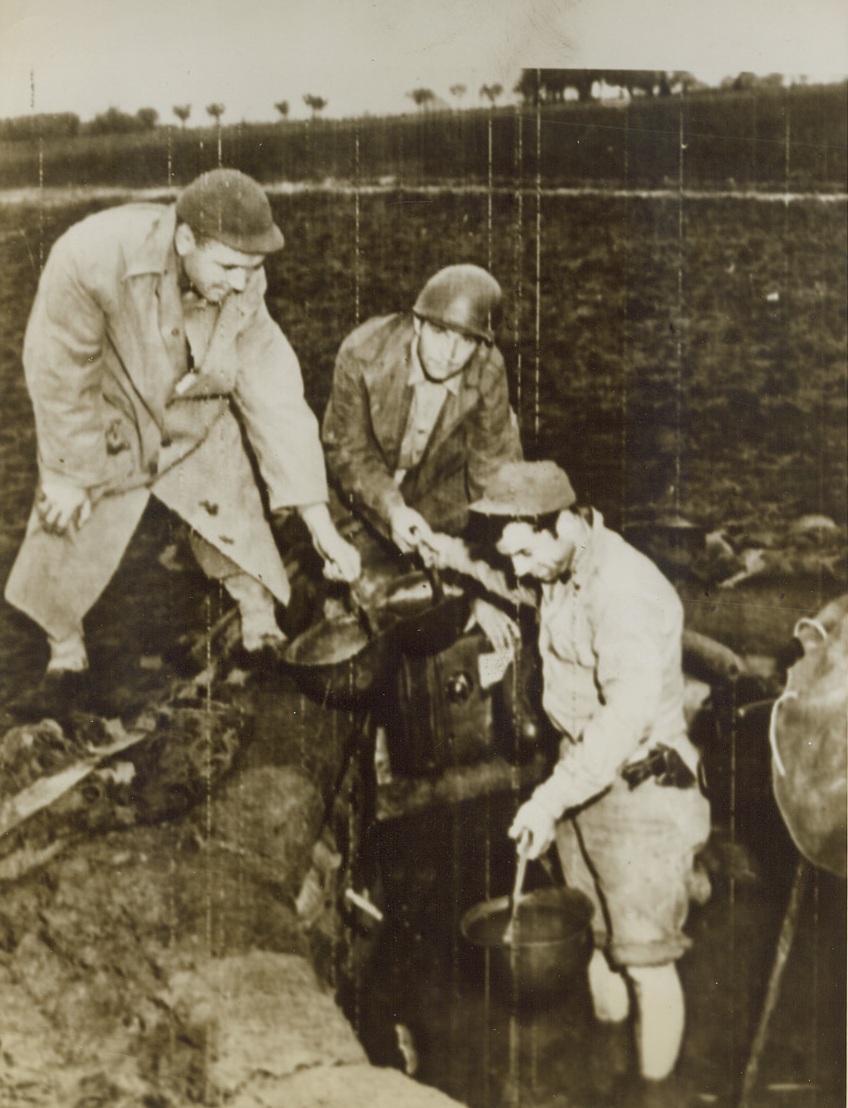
(424, 1001)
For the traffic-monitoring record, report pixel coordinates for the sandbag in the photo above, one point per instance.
(809, 740)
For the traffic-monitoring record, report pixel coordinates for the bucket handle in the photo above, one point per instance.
(522, 849)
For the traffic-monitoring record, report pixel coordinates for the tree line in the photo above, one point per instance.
(535, 87)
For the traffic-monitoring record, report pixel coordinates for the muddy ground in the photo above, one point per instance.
(684, 356)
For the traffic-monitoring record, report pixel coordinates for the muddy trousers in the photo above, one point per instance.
(255, 603)
(632, 853)
(56, 579)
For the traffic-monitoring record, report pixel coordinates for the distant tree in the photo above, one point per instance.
(556, 81)
(147, 118)
(458, 91)
(422, 96)
(113, 122)
(746, 81)
(316, 104)
(529, 87)
(642, 82)
(537, 86)
(491, 92)
(684, 81)
(282, 107)
(43, 124)
(182, 112)
(216, 111)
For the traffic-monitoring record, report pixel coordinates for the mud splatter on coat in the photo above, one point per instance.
(364, 424)
(104, 349)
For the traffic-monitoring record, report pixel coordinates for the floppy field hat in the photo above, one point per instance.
(526, 489)
(228, 206)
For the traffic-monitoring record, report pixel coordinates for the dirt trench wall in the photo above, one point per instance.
(165, 965)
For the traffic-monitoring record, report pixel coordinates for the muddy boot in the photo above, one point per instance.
(262, 640)
(64, 688)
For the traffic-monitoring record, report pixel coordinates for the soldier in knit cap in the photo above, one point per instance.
(149, 351)
(623, 802)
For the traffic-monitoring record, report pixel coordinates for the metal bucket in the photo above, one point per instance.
(428, 616)
(550, 946)
(336, 663)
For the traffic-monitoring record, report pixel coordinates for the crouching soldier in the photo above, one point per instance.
(148, 349)
(623, 802)
(419, 419)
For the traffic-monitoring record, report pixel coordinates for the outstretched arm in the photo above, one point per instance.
(354, 457)
(631, 645)
(447, 552)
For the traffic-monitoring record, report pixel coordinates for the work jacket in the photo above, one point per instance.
(364, 424)
(106, 363)
(610, 640)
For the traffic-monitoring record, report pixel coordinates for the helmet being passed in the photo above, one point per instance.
(526, 490)
(464, 298)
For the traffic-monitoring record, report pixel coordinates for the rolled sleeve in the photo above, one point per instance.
(455, 555)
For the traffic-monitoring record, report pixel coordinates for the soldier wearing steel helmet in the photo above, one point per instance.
(419, 416)
(623, 802)
(149, 347)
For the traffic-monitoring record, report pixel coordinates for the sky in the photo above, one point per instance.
(364, 56)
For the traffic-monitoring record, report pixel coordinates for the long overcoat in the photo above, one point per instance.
(117, 413)
(363, 428)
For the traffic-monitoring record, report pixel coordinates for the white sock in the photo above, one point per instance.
(68, 654)
(661, 1018)
(610, 998)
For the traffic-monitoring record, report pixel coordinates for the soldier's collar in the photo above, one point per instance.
(581, 565)
(157, 254)
(417, 376)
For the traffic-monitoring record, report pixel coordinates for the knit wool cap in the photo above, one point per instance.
(228, 206)
(526, 489)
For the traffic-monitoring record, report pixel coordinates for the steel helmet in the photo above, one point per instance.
(464, 298)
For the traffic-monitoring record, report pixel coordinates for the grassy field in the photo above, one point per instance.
(664, 351)
(769, 138)
(647, 340)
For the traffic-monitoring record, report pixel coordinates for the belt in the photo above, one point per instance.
(665, 765)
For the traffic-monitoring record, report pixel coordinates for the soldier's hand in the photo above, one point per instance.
(341, 560)
(408, 528)
(432, 547)
(61, 505)
(501, 631)
(533, 818)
